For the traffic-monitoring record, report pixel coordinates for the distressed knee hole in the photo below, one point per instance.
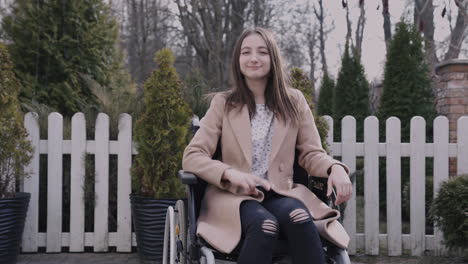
(270, 227)
(299, 216)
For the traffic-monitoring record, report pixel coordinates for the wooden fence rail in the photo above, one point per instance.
(395, 242)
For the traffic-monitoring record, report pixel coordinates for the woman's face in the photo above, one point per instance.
(254, 58)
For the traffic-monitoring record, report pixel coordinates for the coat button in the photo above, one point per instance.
(281, 167)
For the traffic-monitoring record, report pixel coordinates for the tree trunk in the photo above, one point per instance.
(387, 24)
(424, 21)
(459, 32)
(312, 42)
(360, 29)
(349, 30)
(320, 17)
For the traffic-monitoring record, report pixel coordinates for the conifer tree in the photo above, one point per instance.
(351, 94)
(407, 92)
(300, 81)
(407, 88)
(55, 44)
(161, 132)
(325, 100)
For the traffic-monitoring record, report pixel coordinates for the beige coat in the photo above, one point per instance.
(219, 220)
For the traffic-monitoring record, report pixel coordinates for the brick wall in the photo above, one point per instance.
(452, 96)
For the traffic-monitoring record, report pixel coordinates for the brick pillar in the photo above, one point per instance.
(452, 96)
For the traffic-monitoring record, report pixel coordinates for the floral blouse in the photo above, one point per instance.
(262, 133)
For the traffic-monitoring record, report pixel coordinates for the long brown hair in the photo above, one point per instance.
(277, 97)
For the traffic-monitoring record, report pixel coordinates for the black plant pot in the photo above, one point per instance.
(149, 217)
(12, 217)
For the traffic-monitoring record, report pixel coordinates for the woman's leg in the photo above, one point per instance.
(296, 223)
(260, 231)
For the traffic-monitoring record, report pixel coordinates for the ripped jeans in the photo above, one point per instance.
(278, 216)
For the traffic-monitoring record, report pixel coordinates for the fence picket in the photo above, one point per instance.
(54, 182)
(417, 185)
(393, 180)
(441, 169)
(77, 183)
(371, 185)
(462, 138)
(348, 139)
(31, 185)
(101, 185)
(124, 219)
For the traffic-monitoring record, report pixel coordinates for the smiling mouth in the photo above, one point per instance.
(253, 67)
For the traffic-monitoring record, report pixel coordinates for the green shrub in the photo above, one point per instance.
(406, 200)
(195, 92)
(15, 149)
(450, 211)
(300, 81)
(161, 132)
(325, 101)
(55, 44)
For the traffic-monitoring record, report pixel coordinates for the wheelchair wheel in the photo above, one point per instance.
(342, 257)
(175, 235)
(181, 232)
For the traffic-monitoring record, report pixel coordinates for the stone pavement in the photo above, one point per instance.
(132, 258)
(84, 258)
(79, 258)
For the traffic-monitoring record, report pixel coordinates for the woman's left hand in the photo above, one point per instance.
(339, 179)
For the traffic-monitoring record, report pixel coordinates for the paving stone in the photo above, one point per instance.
(79, 258)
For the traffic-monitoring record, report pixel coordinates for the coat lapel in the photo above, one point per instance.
(240, 123)
(280, 130)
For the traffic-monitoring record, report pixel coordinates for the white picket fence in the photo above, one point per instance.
(55, 147)
(371, 149)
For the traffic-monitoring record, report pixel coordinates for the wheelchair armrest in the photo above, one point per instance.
(187, 177)
(318, 186)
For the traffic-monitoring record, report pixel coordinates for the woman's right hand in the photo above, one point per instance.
(241, 183)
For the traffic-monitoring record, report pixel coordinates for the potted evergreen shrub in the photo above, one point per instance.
(161, 134)
(15, 153)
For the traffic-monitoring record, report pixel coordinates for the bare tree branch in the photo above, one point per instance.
(459, 32)
(212, 27)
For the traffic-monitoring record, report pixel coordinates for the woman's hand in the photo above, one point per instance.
(340, 180)
(241, 183)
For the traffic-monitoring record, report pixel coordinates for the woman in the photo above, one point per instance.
(260, 123)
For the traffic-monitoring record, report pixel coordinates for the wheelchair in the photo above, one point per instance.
(183, 246)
